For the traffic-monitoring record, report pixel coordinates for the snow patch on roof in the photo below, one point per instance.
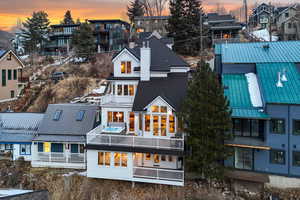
(254, 91)
(264, 35)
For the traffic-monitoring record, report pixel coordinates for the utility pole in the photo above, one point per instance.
(201, 33)
(246, 13)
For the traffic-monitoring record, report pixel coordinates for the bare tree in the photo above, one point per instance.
(154, 7)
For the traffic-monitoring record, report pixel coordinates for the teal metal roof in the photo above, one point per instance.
(283, 51)
(268, 76)
(218, 49)
(237, 92)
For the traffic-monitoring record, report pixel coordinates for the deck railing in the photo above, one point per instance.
(135, 141)
(60, 157)
(156, 173)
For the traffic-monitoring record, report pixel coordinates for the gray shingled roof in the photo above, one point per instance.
(60, 138)
(172, 89)
(67, 124)
(214, 17)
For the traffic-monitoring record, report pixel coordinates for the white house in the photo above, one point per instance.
(139, 138)
(60, 139)
(16, 133)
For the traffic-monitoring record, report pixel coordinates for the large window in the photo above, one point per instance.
(244, 158)
(104, 158)
(15, 74)
(125, 67)
(117, 159)
(171, 124)
(40, 147)
(9, 147)
(25, 149)
(147, 122)
(296, 158)
(107, 158)
(9, 74)
(100, 158)
(296, 127)
(57, 147)
(124, 90)
(124, 159)
(277, 157)
(131, 121)
(248, 127)
(115, 116)
(277, 126)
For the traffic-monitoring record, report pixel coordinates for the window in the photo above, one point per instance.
(163, 109)
(247, 127)
(57, 115)
(155, 108)
(243, 158)
(296, 158)
(107, 158)
(119, 90)
(296, 127)
(8, 147)
(289, 25)
(170, 158)
(277, 126)
(237, 127)
(81, 148)
(255, 128)
(147, 122)
(125, 67)
(171, 124)
(74, 148)
(3, 77)
(131, 90)
(109, 116)
(131, 121)
(8, 57)
(114, 90)
(57, 147)
(124, 159)
(25, 149)
(40, 147)
(118, 116)
(163, 158)
(155, 125)
(126, 93)
(12, 94)
(156, 158)
(15, 74)
(100, 158)
(277, 157)
(286, 15)
(163, 125)
(148, 156)
(80, 115)
(117, 159)
(9, 74)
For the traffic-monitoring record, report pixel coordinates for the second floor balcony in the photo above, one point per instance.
(114, 99)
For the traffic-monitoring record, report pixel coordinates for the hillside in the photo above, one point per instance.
(5, 38)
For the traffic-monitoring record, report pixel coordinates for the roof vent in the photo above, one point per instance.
(279, 83)
(266, 46)
(283, 76)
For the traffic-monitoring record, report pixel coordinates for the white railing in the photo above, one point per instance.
(135, 141)
(156, 173)
(60, 157)
(109, 98)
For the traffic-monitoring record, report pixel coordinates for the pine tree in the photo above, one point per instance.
(135, 9)
(83, 42)
(35, 32)
(176, 24)
(68, 18)
(206, 114)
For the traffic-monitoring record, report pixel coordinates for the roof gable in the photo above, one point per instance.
(127, 50)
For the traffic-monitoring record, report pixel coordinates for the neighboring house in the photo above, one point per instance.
(287, 22)
(61, 137)
(11, 73)
(261, 15)
(146, 35)
(151, 24)
(140, 138)
(16, 133)
(110, 35)
(262, 83)
(60, 39)
(223, 27)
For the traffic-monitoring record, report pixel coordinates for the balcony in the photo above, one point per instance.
(159, 174)
(60, 157)
(60, 33)
(98, 137)
(248, 142)
(116, 100)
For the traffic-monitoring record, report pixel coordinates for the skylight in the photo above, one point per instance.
(57, 115)
(80, 115)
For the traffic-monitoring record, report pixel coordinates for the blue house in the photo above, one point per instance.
(262, 84)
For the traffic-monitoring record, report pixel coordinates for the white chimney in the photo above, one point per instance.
(145, 61)
(131, 45)
(283, 77)
(279, 83)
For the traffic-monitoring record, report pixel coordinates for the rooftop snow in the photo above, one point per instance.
(254, 91)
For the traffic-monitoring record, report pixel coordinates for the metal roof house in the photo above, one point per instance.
(262, 83)
(16, 133)
(61, 136)
(139, 138)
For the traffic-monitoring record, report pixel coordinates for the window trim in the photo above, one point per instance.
(277, 150)
(25, 154)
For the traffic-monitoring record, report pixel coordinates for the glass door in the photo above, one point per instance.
(159, 125)
(244, 158)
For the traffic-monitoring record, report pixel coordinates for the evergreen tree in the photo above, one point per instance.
(68, 18)
(35, 32)
(206, 114)
(135, 9)
(83, 41)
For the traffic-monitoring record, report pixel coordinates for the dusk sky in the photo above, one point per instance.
(11, 10)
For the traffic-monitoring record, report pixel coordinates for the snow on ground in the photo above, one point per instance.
(75, 173)
(254, 90)
(264, 35)
(24, 57)
(10, 192)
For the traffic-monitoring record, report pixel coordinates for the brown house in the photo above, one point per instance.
(10, 74)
